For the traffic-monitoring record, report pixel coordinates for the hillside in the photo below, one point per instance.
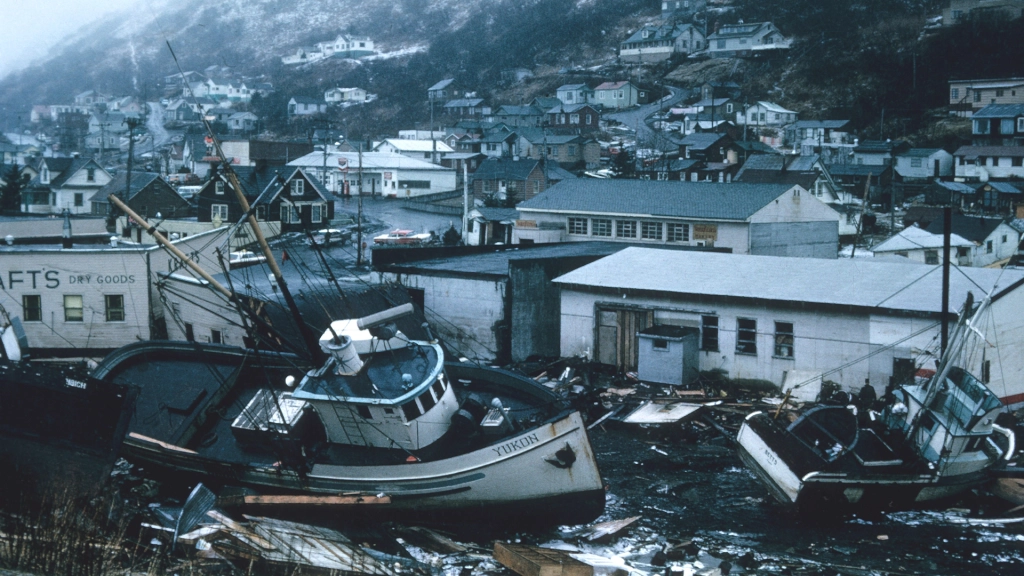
(866, 61)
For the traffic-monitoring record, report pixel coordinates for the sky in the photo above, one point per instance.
(32, 27)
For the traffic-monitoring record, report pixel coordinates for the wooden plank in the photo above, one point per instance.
(536, 561)
(160, 443)
(659, 413)
(607, 529)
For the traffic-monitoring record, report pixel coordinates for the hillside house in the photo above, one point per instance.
(148, 195)
(276, 194)
(998, 125)
(745, 40)
(981, 163)
(516, 116)
(340, 95)
(64, 183)
(427, 150)
(919, 166)
(924, 247)
(242, 122)
(575, 94)
(774, 219)
(616, 95)
(681, 9)
(568, 150)
(809, 137)
(1000, 197)
(467, 108)
(654, 43)
(879, 152)
(582, 117)
(503, 178)
(957, 11)
(442, 91)
(967, 97)
(378, 173)
(767, 115)
(304, 106)
(995, 241)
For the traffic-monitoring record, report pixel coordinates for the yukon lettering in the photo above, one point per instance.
(517, 444)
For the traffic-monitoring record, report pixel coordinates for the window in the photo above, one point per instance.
(79, 199)
(721, 44)
(219, 211)
(660, 344)
(289, 214)
(90, 174)
(115, 307)
(189, 334)
(215, 336)
(32, 308)
(218, 187)
(931, 256)
(572, 150)
(298, 187)
(662, 176)
(709, 333)
(261, 213)
(954, 94)
(999, 93)
(915, 162)
(536, 186)
(784, 339)
(1004, 238)
(73, 311)
(1020, 124)
(977, 95)
(1006, 126)
(588, 119)
(578, 226)
(601, 227)
(316, 213)
(988, 247)
(746, 336)
(678, 232)
(651, 230)
(625, 229)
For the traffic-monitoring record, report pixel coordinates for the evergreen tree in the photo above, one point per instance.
(10, 194)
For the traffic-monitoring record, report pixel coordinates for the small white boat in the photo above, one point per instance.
(403, 237)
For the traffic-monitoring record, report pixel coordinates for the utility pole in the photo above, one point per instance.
(132, 123)
(359, 211)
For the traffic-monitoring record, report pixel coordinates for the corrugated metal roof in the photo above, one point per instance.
(496, 263)
(970, 227)
(972, 152)
(703, 200)
(858, 282)
(1000, 111)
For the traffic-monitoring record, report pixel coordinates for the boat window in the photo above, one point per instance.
(427, 400)
(411, 410)
(364, 411)
(389, 411)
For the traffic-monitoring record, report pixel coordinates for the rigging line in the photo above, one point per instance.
(131, 294)
(915, 281)
(177, 318)
(50, 325)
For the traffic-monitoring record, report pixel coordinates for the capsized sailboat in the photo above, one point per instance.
(384, 416)
(933, 440)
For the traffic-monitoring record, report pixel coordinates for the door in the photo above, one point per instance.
(617, 341)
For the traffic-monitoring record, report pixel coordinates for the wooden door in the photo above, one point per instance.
(617, 341)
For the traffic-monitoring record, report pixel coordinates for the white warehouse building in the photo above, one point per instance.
(854, 322)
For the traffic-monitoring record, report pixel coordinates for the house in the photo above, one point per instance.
(548, 102)
(488, 225)
(303, 106)
(147, 195)
(957, 11)
(994, 239)
(853, 178)
(1000, 197)
(495, 144)
(855, 322)
(772, 169)
(467, 108)
(879, 152)
(568, 150)
(242, 122)
(517, 116)
(463, 163)
(967, 97)
(919, 166)
(981, 163)
(508, 178)
(774, 219)
(428, 150)
(669, 169)
(336, 95)
(809, 137)
(998, 125)
(302, 55)
(378, 173)
(574, 94)
(442, 91)
(90, 98)
(949, 193)
(655, 43)
(64, 183)
(492, 303)
(347, 47)
(709, 147)
(276, 194)
(712, 90)
(745, 40)
(924, 247)
(616, 95)
(767, 115)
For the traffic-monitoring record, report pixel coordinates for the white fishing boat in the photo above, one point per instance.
(933, 440)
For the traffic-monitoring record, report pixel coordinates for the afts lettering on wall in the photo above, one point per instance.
(51, 279)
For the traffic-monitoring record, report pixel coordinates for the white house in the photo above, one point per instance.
(923, 247)
(575, 93)
(924, 164)
(744, 40)
(767, 114)
(303, 106)
(981, 163)
(429, 150)
(777, 219)
(335, 95)
(616, 94)
(242, 121)
(855, 322)
(378, 173)
(653, 43)
(994, 240)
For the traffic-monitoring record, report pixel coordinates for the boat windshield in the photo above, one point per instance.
(974, 398)
(382, 376)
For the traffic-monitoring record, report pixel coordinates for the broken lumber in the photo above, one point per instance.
(536, 561)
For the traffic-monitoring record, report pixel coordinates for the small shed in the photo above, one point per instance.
(668, 354)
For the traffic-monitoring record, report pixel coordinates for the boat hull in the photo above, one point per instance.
(544, 472)
(798, 480)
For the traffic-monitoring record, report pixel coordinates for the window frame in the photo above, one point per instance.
(709, 333)
(316, 213)
(297, 187)
(672, 228)
(577, 226)
(784, 348)
(746, 336)
(601, 227)
(111, 311)
(26, 316)
(218, 209)
(647, 228)
(622, 225)
(69, 316)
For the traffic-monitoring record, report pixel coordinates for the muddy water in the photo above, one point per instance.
(701, 491)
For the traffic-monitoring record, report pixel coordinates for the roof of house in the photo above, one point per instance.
(509, 110)
(73, 167)
(117, 187)
(442, 84)
(1003, 187)
(546, 102)
(805, 180)
(959, 187)
(704, 200)
(701, 140)
(772, 107)
(564, 87)
(970, 227)
(1000, 111)
(403, 145)
(505, 169)
(973, 152)
(665, 165)
(711, 102)
(920, 152)
(914, 238)
(774, 162)
(611, 85)
(371, 161)
(660, 33)
(307, 100)
(464, 103)
(858, 169)
(881, 146)
(856, 282)
(738, 30)
(820, 124)
(276, 185)
(497, 263)
(496, 214)
(560, 107)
